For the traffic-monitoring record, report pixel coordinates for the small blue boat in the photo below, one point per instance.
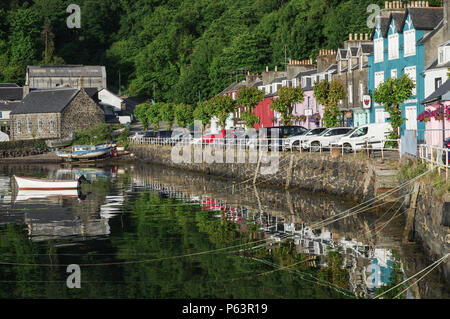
(85, 152)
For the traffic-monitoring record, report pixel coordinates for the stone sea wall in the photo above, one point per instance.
(350, 177)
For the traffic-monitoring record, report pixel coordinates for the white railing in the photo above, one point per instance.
(273, 144)
(435, 155)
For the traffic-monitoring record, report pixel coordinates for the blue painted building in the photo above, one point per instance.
(399, 46)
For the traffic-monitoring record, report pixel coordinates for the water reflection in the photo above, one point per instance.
(132, 212)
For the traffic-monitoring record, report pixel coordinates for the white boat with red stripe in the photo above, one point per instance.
(28, 183)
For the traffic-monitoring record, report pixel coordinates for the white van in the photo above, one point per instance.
(372, 135)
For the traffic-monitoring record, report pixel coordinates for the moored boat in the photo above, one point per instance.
(85, 152)
(28, 183)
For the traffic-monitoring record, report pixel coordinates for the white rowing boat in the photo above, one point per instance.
(27, 183)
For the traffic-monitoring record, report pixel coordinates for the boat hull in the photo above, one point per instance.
(26, 183)
(85, 154)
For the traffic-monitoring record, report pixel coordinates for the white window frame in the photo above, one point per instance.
(411, 72)
(393, 46)
(52, 125)
(409, 42)
(411, 123)
(350, 93)
(29, 125)
(378, 50)
(393, 73)
(361, 90)
(40, 125)
(380, 115)
(19, 126)
(378, 78)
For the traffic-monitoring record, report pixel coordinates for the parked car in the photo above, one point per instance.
(280, 133)
(326, 138)
(295, 141)
(372, 135)
(139, 135)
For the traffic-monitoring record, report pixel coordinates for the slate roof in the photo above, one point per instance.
(435, 65)
(425, 18)
(8, 85)
(11, 93)
(278, 80)
(46, 101)
(399, 20)
(257, 83)
(436, 95)
(8, 106)
(233, 87)
(367, 48)
(306, 73)
(384, 26)
(74, 71)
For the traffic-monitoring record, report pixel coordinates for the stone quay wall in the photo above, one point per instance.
(350, 177)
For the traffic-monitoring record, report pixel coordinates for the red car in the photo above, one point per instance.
(211, 137)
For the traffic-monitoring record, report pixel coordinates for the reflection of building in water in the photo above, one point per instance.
(358, 257)
(112, 207)
(5, 195)
(54, 214)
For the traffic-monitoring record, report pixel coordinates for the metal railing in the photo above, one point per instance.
(271, 144)
(435, 156)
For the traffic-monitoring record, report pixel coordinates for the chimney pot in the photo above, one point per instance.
(267, 68)
(276, 68)
(356, 36)
(426, 4)
(386, 4)
(350, 37)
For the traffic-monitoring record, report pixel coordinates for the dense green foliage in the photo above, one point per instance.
(391, 94)
(284, 104)
(179, 51)
(98, 134)
(329, 94)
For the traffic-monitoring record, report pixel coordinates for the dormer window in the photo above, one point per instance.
(393, 46)
(410, 42)
(378, 50)
(443, 55)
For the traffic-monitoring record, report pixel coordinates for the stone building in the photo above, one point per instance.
(352, 61)
(10, 95)
(52, 76)
(54, 114)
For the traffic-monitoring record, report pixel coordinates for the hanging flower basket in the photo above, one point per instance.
(436, 114)
(425, 116)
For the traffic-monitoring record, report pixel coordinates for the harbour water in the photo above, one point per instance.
(142, 231)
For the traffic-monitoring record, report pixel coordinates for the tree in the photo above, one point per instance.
(153, 113)
(140, 112)
(203, 112)
(329, 94)
(184, 115)
(390, 94)
(167, 114)
(249, 97)
(284, 104)
(222, 106)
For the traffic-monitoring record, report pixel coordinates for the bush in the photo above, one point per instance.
(98, 134)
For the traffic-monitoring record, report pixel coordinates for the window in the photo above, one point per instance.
(411, 118)
(411, 72)
(19, 127)
(441, 56)
(437, 83)
(378, 50)
(410, 42)
(52, 126)
(1, 115)
(350, 93)
(40, 125)
(29, 125)
(380, 116)
(379, 78)
(393, 73)
(393, 46)
(361, 90)
(360, 132)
